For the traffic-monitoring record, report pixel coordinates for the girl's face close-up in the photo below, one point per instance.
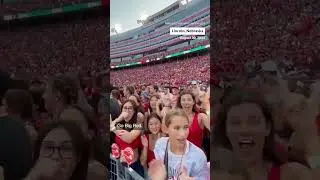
(153, 102)
(247, 130)
(125, 91)
(128, 107)
(175, 91)
(154, 125)
(57, 147)
(178, 130)
(187, 101)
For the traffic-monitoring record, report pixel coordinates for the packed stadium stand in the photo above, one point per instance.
(290, 32)
(164, 73)
(44, 42)
(151, 43)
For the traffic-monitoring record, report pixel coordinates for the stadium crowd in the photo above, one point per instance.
(174, 125)
(50, 132)
(260, 127)
(172, 71)
(290, 32)
(50, 124)
(39, 51)
(265, 126)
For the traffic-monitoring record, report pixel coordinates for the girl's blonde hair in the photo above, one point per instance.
(172, 113)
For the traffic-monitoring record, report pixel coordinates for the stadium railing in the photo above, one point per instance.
(121, 172)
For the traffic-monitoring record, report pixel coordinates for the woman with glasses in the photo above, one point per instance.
(128, 128)
(61, 97)
(61, 153)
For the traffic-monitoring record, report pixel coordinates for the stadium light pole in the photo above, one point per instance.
(185, 2)
(143, 19)
(116, 28)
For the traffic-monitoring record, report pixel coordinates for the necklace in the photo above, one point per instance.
(180, 164)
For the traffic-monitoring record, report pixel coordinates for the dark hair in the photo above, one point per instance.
(67, 87)
(115, 93)
(185, 92)
(79, 143)
(156, 96)
(156, 88)
(152, 115)
(140, 107)
(238, 97)
(7, 83)
(135, 108)
(121, 93)
(19, 101)
(130, 89)
(97, 148)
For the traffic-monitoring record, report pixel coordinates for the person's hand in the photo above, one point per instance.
(166, 100)
(124, 115)
(46, 169)
(184, 174)
(112, 125)
(144, 141)
(120, 132)
(157, 170)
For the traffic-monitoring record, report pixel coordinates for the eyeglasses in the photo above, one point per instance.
(65, 151)
(128, 108)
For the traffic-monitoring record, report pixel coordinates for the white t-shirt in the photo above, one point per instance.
(194, 160)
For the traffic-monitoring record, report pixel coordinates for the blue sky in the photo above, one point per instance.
(126, 12)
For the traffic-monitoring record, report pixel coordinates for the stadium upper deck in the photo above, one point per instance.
(154, 36)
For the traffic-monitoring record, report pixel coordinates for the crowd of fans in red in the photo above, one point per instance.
(65, 47)
(291, 31)
(182, 71)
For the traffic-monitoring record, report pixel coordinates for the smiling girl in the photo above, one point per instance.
(149, 139)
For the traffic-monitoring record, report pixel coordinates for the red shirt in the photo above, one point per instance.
(150, 153)
(196, 132)
(134, 145)
(275, 173)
